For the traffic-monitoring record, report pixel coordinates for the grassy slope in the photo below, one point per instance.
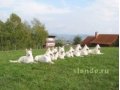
(61, 75)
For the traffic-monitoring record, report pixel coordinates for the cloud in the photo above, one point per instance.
(32, 7)
(6, 3)
(100, 15)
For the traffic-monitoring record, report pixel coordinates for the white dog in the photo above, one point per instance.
(61, 52)
(55, 53)
(77, 51)
(47, 57)
(25, 59)
(78, 47)
(84, 50)
(50, 52)
(96, 50)
(70, 53)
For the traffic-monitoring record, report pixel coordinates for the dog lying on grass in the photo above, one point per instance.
(95, 50)
(77, 51)
(55, 53)
(25, 59)
(61, 53)
(84, 50)
(47, 57)
(70, 53)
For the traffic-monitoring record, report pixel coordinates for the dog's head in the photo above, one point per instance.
(71, 49)
(98, 47)
(78, 47)
(29, 52)
(61, 49)
(86, 47)
(55, 50)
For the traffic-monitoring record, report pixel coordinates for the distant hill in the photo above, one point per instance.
(68, 37)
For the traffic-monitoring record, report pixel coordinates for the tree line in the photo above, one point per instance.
(16, 34)
(77, 40)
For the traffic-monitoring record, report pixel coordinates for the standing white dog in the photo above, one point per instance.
(25, 59)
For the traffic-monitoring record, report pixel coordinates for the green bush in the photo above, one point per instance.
(59, 42)
(77, 40)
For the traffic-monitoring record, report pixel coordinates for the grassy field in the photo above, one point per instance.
(69, 74)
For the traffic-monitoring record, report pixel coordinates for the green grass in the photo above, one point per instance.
(61, 75)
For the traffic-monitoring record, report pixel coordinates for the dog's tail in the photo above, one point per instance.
(12, 61)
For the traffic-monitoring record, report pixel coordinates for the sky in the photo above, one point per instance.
(67, 16)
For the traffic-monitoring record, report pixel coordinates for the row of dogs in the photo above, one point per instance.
(57, 53)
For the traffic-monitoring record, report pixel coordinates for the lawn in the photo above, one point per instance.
(68, 74)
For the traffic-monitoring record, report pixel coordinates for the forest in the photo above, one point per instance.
(18, 34)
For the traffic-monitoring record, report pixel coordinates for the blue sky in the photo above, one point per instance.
(67, 16)
(61, 3)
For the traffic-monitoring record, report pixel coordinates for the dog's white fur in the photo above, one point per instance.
(47, 57)
(55, 53)
(77, 51)
(78, 47)
(61, 53)
(84, 50)
(25, 59)
(96, 50)
(44, 58)
(70, 53)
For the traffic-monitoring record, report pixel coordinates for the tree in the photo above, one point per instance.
(40, 33)
(77, 40)
(1, 34)
(13, 27)
(15, 34)
(59, 42)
